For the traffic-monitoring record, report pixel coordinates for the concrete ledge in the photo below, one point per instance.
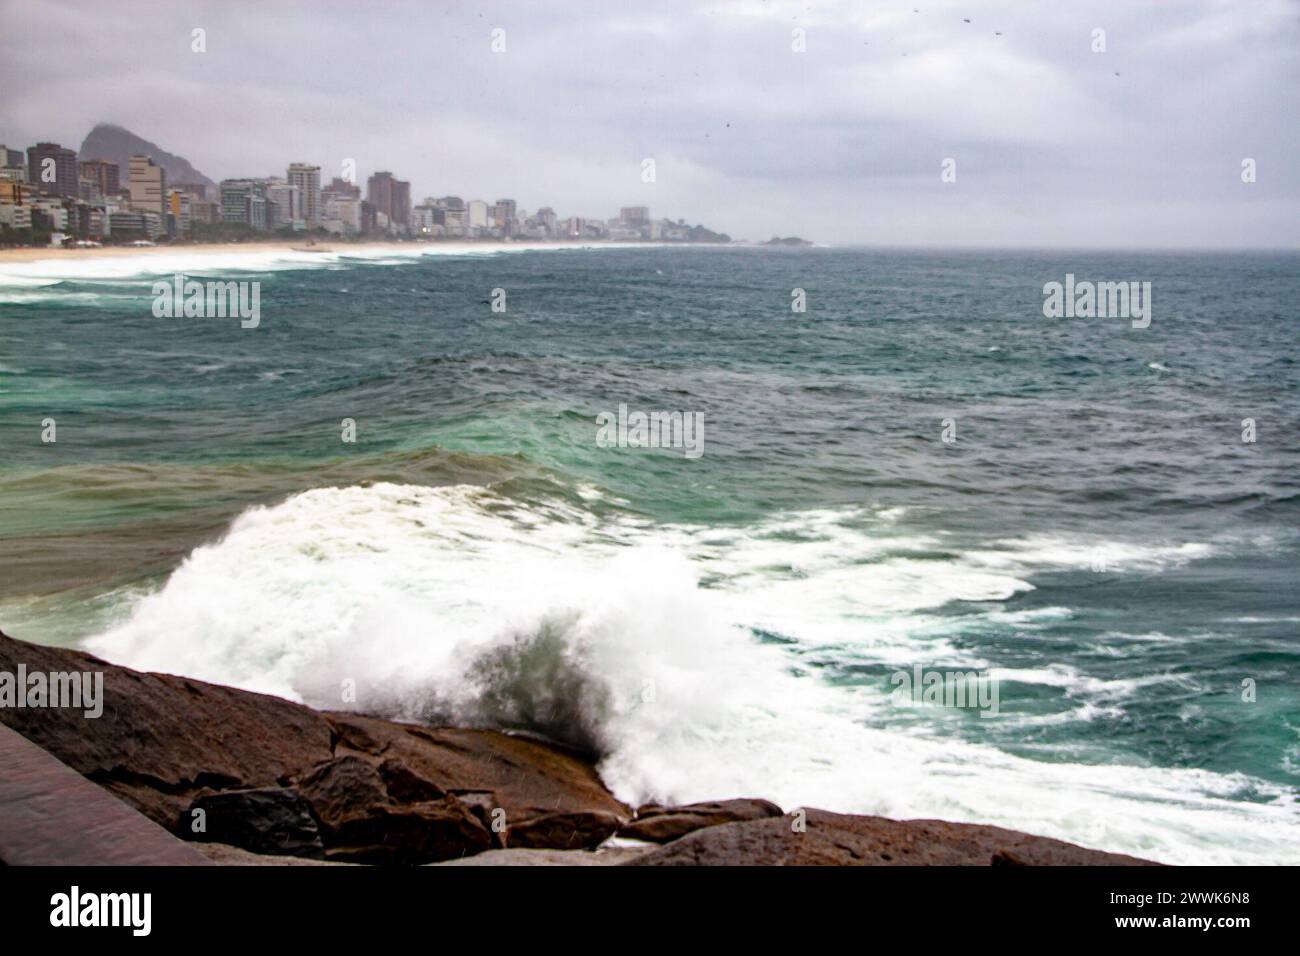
(50, 815)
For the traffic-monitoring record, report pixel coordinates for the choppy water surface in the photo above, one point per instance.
(1098, 537)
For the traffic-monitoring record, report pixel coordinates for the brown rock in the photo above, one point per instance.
(165, 741)
(527, 778)
(833, 839)
(413, 834)
(363, 821)
(405, 785)
(573, 830)
(658, 824)
(342, 790)
(273, 820)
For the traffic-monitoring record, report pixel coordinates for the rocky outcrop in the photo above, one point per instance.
(162, 741)
(656, 824)
(818, 838)
(239, 771)
(272, 776)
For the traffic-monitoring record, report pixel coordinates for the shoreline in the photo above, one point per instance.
(61, 254)
(44, 254)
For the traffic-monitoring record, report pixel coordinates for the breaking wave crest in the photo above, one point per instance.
(643, 645)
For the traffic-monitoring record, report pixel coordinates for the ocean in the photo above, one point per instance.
(921, 470)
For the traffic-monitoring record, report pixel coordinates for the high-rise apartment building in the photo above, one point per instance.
(635, 215)
(286, 205)
(341, 187)
(178, 211)
(422, 218)
(341, 214)
(148, 183)
(53, 169)
(105, 177)
(307, 179)
(13, 165)
(243, 203)
(478, 214)
(390, 197)
(506, 216)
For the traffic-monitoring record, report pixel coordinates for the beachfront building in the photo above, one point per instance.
(178, 213)
(286, 205)
(341, 215)
(134, 224)
(53, 169)
(102, 177)
(13, 165)
(204, 212)
(454, 223)
(243, 203)
(15, 215)
(306, 179)
(98, 228)
(148, 185)
(635, 216)
(53, 211)
(424, 219)
(342, 187)
(392, 198)
(506, 220)
(548, 220)
(477, 218)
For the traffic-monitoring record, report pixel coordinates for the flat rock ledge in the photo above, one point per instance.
(257, 780)
(810, 837)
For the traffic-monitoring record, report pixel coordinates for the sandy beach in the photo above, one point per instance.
(43, 253)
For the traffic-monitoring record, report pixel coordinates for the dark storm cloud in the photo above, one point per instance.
(842, 142)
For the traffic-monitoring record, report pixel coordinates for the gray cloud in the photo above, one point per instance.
(842, 143)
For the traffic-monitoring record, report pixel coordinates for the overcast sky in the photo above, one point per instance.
(1054, 144)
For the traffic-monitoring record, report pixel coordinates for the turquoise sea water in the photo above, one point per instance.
(1098, 537)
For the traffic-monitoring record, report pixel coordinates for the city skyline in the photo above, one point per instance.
(840, 132)
(53, 194)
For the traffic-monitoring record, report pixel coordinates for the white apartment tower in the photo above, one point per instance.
(307, 179)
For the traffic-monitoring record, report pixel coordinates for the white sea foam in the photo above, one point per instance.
(460, 604)
(1057, 551)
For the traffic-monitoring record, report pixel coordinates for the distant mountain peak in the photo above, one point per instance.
(117, 144)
